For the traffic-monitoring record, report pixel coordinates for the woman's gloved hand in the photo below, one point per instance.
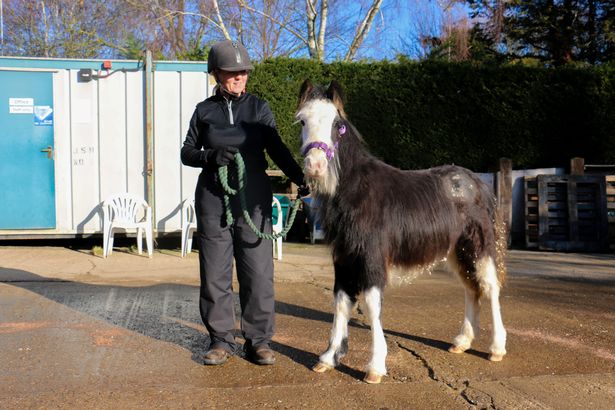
(303, 190)
(222, 156)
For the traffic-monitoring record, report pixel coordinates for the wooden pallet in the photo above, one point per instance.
(566, 213)
(610, 208)
(530, 187)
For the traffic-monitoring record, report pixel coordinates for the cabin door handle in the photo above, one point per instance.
(49, 151)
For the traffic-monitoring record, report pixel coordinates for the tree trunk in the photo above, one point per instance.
(362, 30)
(592, 33)
(310, 6)
(221, 24)
(324, 11)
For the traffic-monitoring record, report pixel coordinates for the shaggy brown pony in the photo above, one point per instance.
(381, 221)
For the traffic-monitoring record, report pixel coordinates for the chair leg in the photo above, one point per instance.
(149, 241)
(278, 245)
(110, 241)
(184, 233)
(140, 240)
(105, 240)
(189, 242)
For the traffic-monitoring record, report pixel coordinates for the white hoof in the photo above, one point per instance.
(496, 357)
(457, 349)
(372, 377)
(321, 367)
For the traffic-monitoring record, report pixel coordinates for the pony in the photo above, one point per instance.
(380, 221)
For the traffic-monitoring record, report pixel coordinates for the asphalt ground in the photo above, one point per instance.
(80, 331)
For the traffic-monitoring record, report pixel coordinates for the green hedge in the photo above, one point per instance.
(417, 115)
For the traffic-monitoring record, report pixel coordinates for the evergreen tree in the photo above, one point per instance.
(555, 32)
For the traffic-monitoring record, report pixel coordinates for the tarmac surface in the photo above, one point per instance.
(80, 331)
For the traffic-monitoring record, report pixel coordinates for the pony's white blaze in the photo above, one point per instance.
(317, 118)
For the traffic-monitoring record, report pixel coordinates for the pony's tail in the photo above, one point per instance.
(501, 245)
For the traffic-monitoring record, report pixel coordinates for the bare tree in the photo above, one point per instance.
(320, 29)
(62, 28)
(177, 28)
(316, 27)
(362, 30)
(268, 28)
(437, 29)
(315, 18)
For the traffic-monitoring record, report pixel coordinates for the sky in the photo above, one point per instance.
(397, 28)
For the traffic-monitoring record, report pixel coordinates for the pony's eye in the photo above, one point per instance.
(302, 123)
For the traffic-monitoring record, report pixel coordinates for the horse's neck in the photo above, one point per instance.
(352, 154)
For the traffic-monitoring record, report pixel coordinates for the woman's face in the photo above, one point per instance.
(233, 81)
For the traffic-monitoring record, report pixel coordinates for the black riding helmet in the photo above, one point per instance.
(228, 55)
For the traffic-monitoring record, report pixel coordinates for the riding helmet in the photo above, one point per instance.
(228, 55)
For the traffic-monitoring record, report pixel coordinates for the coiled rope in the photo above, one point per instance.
(241, 176)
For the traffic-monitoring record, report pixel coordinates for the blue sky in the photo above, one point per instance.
(399, 24)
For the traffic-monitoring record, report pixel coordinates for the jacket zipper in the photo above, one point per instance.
(229, 104)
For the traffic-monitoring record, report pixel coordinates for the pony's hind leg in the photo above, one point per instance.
(377, 366)
(338, 342)
(466, 269)
(490, 286)
(469, 327)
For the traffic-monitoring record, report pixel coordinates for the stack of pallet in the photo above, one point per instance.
(569, 212)
(610, 208)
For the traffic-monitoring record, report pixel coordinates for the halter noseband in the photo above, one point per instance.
(329, 152)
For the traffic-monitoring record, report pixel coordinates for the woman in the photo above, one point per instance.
(228, 122)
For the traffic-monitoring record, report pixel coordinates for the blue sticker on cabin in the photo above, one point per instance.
(43, 115)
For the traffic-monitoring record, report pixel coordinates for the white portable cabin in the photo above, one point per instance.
(73, 132)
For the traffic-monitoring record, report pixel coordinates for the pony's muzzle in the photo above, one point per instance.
(315, 164)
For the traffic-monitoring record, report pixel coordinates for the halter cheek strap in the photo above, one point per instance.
(329, 152)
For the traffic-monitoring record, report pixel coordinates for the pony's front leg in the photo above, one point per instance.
(376, 367)
(338, 343)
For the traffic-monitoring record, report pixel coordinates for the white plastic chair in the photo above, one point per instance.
(126, 211)
(188, 225)
(276, 228)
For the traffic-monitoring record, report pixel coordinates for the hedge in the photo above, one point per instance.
(417, 115)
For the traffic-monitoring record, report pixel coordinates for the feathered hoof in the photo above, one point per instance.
(496, 357)
(456, 349)
(372, 377)
(321, 367)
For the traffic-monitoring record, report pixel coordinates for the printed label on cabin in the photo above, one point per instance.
(18, 109)
(21, 101)
(21, 105)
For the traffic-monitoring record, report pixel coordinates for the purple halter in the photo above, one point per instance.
(329, 152)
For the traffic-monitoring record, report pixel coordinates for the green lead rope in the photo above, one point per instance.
(241, 175)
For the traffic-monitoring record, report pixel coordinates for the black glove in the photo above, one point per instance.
(222, 156)
(303, 190)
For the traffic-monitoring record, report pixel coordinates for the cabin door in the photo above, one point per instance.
(27, 184)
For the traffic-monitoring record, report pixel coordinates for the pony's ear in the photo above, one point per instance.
(336, 94)
(304, 92)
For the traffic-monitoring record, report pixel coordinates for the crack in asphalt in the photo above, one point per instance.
(461, 392)
(320, 286)
(430, 371)
(451, 386)
(94, 266)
